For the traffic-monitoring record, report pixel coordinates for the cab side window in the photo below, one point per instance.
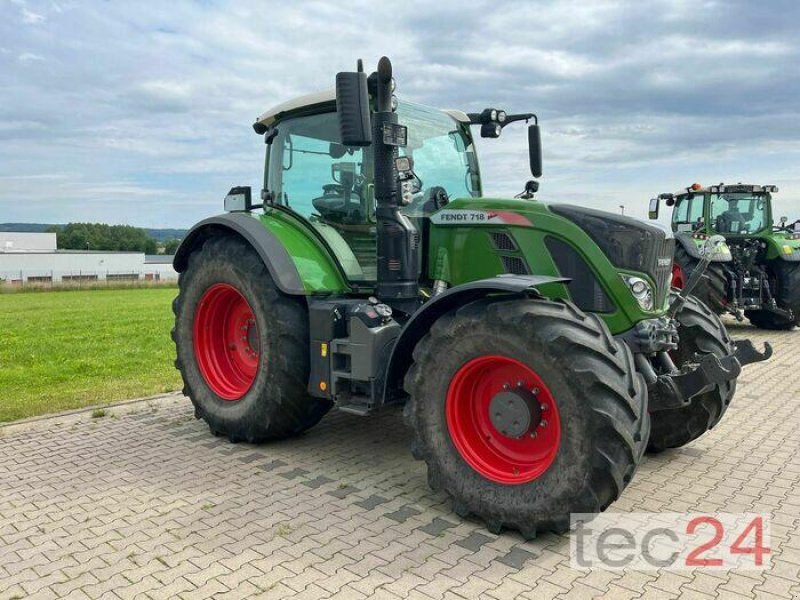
(688, 213)
(330, 185)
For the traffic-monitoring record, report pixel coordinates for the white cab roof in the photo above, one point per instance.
(329, 95)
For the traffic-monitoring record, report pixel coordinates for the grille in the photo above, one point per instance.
(662, 274)
(584, 289)
(503, 241)
(515, 265)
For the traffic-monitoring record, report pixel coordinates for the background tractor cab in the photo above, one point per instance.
(753, 273)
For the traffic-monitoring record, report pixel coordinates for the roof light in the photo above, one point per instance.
(501, 116)
(491, 130)
(696, 186)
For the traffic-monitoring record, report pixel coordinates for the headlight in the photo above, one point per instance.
(641, 290)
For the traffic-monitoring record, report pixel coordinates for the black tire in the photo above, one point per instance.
(277, 404)
(712, 288)
(701, 332)
(787, 294)
(601, 398)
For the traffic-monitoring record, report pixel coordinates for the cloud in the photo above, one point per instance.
(31, 18)
(147, 111)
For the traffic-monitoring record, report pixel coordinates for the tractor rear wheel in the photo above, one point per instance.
(242, 346)
(712, 287)
(526, 411)
(787, 295)
(701, 332)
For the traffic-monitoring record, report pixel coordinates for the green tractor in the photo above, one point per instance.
(756, 274)
(538, 349)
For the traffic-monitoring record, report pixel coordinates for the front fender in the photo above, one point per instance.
(422, 320)
(693, 246)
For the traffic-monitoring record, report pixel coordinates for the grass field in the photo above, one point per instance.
(63, 350)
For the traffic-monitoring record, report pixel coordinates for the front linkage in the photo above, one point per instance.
(671, 387)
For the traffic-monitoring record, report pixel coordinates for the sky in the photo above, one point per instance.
(142, 113)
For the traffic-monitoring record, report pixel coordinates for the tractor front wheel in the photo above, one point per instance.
(713, 285)
(242, 346)
(526, 411)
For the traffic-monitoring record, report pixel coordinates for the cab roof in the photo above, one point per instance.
(722, 188)
(317, 100)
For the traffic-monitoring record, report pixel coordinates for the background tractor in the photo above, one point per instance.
(523, 338)
(757, 273)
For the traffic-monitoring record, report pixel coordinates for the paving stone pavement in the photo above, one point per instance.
(145, 503)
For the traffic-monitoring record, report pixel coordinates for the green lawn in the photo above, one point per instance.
(63, 350)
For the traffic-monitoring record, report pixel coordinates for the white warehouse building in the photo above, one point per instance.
(34, 258)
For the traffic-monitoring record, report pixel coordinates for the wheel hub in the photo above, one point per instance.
(515, 412)
(251, 337)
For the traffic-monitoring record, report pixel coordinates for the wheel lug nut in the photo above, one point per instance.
(543, 407)
(506, 386)
(535, 390)
(533, 434)
(543, 423)
(520, 384)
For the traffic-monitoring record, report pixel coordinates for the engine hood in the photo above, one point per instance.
(629, 243)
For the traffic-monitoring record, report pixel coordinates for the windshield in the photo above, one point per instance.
(441, 152)
(739, 213)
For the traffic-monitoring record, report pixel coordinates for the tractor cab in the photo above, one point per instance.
(332, 186)
(328, 182)
(728, 210)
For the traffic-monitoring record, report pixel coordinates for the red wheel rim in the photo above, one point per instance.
(495, 456)
(226, 341)
(678, 278)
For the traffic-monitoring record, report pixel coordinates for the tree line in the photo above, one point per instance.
(99, 236)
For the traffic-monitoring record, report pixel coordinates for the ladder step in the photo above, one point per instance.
(361, 410)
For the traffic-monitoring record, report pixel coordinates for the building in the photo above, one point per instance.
(32, 258)
(12, 241)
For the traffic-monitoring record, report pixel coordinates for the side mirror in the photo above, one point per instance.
(653, 211)
(783, 220)
(352, 107)
(239, 199)
(535, 150)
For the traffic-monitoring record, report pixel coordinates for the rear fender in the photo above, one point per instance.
(422, 320)
(778, 247)
(264, 242)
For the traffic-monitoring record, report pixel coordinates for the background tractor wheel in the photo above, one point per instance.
(701, 332)
(787, 295)
(242, 346)
(712, 288)
(526, 411)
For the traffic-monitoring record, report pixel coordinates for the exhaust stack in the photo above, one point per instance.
(398, 239)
